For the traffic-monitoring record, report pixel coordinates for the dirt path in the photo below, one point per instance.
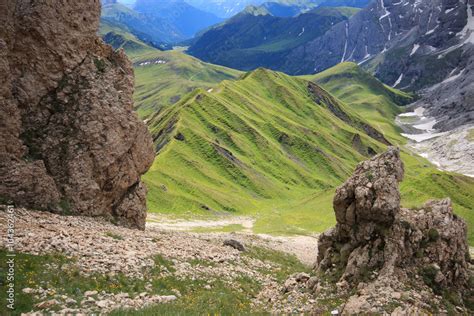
(303, 247)
(173, 224)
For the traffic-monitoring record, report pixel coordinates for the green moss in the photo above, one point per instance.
(65, 206)
(100, 64)
(114, 236)
(433, 235)
(428, 273)
(470, 135)
(284, 264)
(163, 264)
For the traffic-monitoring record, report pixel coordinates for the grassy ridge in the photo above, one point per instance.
(118, 36)
(160, 85)
(246, 150)
(266, 146)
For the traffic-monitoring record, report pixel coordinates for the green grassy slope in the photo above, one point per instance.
(260, 140)
(379, 104)
(274, 147)
(158, 85)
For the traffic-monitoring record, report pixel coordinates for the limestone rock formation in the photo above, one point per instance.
(70, 140)
(376, 242)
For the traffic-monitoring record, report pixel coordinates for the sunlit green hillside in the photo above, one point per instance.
(275, 147)
(163, 77)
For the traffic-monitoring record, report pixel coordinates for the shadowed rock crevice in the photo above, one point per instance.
(71, 142)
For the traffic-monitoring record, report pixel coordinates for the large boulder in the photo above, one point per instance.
(70, 141)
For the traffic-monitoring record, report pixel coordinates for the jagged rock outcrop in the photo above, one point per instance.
(378, 247)
(70, 141)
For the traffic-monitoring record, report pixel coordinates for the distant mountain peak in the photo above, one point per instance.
(255, 10)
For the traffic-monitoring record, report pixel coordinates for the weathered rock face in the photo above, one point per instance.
(374, 236)
(451, 102)
(401, 31)
(70, 139)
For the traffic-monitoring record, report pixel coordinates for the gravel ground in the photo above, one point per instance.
(101, 247)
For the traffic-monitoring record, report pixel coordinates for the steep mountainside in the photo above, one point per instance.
(187, 20)
(420, 39)
(376, 102)
(279, 151)
(255, 38)
(345, 3)
(229, 8)
(223, 8)
(408, 44)
(285, 10)
(451, 101)
(71, 142)
(237, 141)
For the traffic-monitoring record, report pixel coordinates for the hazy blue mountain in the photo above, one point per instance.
(255, 38)
(148, 28)
(185, 18)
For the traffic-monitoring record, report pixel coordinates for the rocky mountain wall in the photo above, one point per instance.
(70, 141)
(426, 46)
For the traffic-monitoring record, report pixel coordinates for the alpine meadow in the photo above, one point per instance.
(254, 157)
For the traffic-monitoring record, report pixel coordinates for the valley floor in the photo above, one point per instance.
(72, 264)
(303, 247)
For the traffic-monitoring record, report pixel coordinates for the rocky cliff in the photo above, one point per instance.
(378, 248)
(70, 141)
(408, 34)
